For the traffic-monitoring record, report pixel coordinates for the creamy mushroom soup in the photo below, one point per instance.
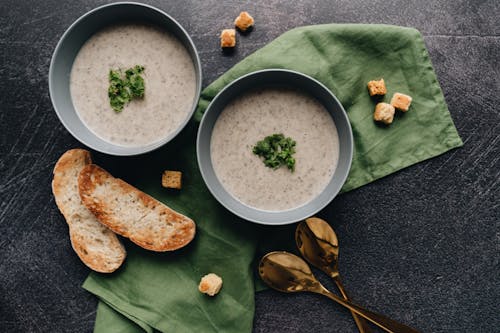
(169, 77)
(261, 113)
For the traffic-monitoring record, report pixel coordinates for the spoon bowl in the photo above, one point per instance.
(318, 244)
(286, 272)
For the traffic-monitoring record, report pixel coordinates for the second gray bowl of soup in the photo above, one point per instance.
(261, 104)
(119, 36)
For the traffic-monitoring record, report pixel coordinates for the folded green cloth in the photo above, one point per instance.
(155, 291)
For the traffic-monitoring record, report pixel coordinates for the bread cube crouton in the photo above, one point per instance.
(228, 38)
(401, 101)
(243, 21)
(377, 88)
(210, 284)
(384, 113)
(171, 179)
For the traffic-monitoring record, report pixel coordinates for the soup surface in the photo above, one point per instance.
(261, 113)
(170, 84)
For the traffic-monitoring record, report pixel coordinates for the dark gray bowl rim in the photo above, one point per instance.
(133, 150)
(349, 146)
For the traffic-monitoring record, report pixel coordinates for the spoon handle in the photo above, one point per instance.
(387, 324)
(361, 323)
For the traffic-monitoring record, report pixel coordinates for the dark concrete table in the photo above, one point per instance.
(421, 246)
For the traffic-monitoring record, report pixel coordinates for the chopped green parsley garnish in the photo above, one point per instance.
(276, 151)
(122, 89)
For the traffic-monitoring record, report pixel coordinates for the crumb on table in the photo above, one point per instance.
(171, 179)
(228, 38)
(244, 21)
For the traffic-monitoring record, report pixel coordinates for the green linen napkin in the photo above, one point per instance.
(159, 291)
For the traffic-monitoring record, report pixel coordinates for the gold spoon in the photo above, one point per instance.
(288, 273)
(318, 244)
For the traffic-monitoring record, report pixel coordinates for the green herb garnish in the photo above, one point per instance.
(122, 89)
(276, 151)
(135, 81)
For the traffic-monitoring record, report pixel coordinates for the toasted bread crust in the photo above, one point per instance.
(132, 213)
(244, 21)
(401, 101)
(377, 87)
(96, 245)
(384, 113)
(228, 38)
(171, 179)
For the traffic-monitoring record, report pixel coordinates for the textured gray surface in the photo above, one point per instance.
(421, 246)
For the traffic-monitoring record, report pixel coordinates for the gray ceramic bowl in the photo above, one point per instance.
(71, 42)
(275, 78)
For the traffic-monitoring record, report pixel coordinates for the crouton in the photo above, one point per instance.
(243, 21)
(377, 88)
(210, 284)
(228, 38)
(172, 179)
(384, 113)
(401, 101)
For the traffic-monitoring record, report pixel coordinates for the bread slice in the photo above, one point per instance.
(96, 245)
(132, 213)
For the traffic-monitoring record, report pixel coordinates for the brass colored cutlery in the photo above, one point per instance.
(318, 244)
